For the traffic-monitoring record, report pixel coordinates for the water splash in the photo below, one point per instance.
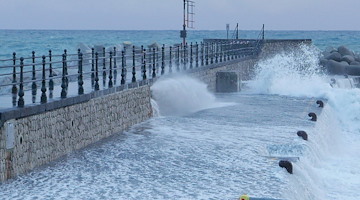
(182, 95)
(327, 169)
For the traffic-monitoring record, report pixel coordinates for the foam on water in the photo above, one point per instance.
(328, 169)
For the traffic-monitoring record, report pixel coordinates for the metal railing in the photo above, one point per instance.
(99, 69)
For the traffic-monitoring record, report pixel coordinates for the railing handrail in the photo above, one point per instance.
(140, 62)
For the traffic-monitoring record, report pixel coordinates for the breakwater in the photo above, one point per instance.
(92, 103)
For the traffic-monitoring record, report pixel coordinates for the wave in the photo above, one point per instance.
(328, 169)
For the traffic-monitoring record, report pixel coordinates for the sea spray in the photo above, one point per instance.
(327, 169)
(182, 95)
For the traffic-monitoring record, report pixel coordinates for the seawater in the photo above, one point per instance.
(23, 42)
(219, 146)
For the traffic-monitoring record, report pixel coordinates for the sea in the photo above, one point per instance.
(204, 145)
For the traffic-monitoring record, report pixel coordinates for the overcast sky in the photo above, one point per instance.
(167, 14)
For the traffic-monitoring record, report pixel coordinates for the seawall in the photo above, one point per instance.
(46, 136)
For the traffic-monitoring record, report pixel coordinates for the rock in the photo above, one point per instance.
(353, 70)
(344, 63)
(330, 49)
(345, 51)
(335, 67)
(323, 61)
(357, 58)
(348, 59)
(355, 63)
(334, 56)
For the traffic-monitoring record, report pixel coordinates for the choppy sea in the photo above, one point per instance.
(213, 146)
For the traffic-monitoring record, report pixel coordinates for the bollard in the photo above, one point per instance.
(133, 69)
(43, 83)
(21, 87)
(96, 71)
(110, 69)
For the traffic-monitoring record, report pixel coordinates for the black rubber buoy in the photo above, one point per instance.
(302, 134)
(287, 165)
(313, 116)
(321, 103)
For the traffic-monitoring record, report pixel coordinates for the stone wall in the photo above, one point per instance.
(47, 136)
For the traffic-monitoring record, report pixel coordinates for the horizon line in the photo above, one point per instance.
(306, 30)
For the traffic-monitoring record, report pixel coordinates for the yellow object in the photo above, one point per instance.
(244, 197)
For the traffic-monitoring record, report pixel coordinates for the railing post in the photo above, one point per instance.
(33, 85)
(21, 102)
(115, 66)
(43, 83)
(144, 63)
(123, 67)
(110, 69)
(184, 55)
(228, 51)
(216, 52)
(163, 59)
(197, 54)
(51, 82)
(170, 59)
(207, 53)
(96, 71)
(65, 67)
(104, 62)
(191, 55)
(149, 61)
(212, 53)
(202, 53)
(14, 88)
(63, 80)
(134, 67)
(221, 52)
(178, 59)
(104, 66)
(154, 68)
(80, 78)
(92, 67)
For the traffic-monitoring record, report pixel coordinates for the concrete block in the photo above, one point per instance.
(227, 82)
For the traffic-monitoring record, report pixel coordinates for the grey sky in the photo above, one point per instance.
(167, 14)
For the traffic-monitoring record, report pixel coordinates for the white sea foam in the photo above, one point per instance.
(329, 170)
